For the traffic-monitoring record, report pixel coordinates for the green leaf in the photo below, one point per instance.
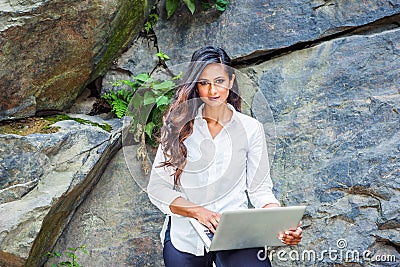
(131, 84)
(142, 77)
(147, 26)
(137, 101)
(149, 98)
(149, 128)
(153, 16)
(116, 83)
(221, 5)
(177, 77)
(70, 255)
(164, 85)
(162, 100)
(162, 56)
(191, 5)
(119, 107)
(171, 6)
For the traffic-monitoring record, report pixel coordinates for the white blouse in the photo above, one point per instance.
(217, 174)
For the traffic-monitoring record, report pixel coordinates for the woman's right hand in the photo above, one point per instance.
(205, 216)
(208, 218)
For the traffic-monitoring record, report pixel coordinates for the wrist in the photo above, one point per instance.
(196, 212)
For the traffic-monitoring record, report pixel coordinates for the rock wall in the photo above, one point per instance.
(49, 50)
(330, 72)
(250, 29)
(337, 122)
(117, 222)
(44, 178)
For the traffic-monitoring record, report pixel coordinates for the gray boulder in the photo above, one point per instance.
(50, 50)
(116, 222)
(336, 110)
(250, 29)
(44, 178)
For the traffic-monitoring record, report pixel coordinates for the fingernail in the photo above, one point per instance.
(287, 232)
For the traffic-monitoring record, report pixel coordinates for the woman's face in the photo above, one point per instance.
(214, 84)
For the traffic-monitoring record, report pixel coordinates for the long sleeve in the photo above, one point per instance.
(161, 185)
(259, 183)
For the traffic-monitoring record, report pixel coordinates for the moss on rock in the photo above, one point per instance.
(42, 125)
(127, 22)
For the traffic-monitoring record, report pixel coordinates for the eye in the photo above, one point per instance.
(203, 83)
(219, 81)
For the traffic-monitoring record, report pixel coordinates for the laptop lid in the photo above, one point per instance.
(250, 228)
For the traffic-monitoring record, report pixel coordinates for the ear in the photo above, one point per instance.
(231, 81)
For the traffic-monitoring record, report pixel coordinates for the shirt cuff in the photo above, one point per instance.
(260, 202)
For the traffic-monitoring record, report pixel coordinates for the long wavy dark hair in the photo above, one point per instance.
(178, 120)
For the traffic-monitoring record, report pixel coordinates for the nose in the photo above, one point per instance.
(212, 89)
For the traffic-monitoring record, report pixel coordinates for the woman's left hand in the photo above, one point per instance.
(291, 237)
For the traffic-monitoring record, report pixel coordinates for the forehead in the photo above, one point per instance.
(213, 70)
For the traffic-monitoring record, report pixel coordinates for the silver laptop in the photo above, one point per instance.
(250, 228)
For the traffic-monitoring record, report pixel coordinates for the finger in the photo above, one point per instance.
(296, 233)
(289, 238)
(216, 216)
(291, 241)
(212, 224)
(280, 236)
(211, 227)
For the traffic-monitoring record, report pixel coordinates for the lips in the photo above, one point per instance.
(215, 98)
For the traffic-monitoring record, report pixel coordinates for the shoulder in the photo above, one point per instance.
(248, 121)
(251, 126)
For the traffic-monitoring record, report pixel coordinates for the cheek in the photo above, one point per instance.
(202, 92)
(224, 93)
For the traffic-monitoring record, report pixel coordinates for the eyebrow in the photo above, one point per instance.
(216, 78)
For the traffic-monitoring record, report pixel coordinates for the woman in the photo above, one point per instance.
(209, 156)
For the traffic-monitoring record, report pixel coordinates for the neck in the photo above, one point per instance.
(220, 114)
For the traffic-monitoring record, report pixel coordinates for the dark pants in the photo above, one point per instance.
(229, 258)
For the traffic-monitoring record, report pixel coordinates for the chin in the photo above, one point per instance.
(212, 103)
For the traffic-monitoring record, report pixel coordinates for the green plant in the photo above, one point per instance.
(70, 255)
(152, 20)
(146, 101)
(150, 102)
(172, 5)
(220, 5)
(162, 57)
(119, 100)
